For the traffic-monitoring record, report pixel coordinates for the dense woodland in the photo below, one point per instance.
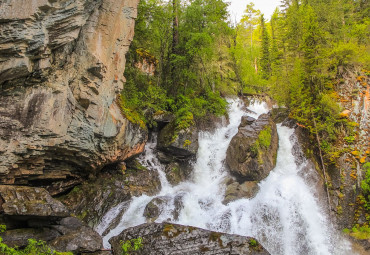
(297, 56)
(200, 56)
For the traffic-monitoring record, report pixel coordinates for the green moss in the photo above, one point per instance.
(339, 209)
(187, 143)
(130, 114)
(82, 215)
(215, 236)
(131, 245)
(264, 137)
(170, 231)
(361, 233)
(263, 142)
(254, 244)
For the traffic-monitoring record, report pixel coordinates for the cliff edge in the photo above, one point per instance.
(61, 71)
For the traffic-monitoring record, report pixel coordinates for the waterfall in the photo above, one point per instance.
(284, 216)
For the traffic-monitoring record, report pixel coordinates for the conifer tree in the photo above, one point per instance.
(265, 51)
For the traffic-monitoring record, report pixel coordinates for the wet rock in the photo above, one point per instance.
(278, 115)
(62, 65)
(167, 238)
(93, 199)
(30, 201)
(235, 191)
(67, 234)
(165, 158)
(163, 118)
(210, 122)
(154, 208)
(142, 181)
(81, 239)
(179, 143)
(177, 172)
(252, 151)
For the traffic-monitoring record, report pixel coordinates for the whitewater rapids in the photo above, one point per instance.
(285, 216)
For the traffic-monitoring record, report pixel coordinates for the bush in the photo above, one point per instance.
(131, 245)
(33, 248)
(365, 184)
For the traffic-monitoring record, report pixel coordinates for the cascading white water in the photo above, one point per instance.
(284, 216)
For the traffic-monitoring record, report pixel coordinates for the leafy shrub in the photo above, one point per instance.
(131, 245)
(33, 248)
(365, 184)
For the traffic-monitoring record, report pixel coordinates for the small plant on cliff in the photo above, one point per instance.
(131, 245)
(365, 185)
(254, 245)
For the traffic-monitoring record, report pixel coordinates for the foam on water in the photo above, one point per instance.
(284, 216)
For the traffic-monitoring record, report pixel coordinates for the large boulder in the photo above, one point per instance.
(61, 71)
(252, 151)
(30, 202)
(165, 238)
(177, 172)
(155, 207)
(20, 237)
(236, 190)
(76, 237)
(179, 143)
(94, 198)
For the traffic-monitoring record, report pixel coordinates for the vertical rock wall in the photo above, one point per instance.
(61, 69)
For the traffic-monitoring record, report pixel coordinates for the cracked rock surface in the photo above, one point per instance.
(61, 70)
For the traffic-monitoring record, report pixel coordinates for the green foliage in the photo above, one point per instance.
(360, 233)
(131, 245)
(191, 71)
(33, 248)
(365, 185)
(264, 138)
(253, 242)
(265, 51)
(263, 142)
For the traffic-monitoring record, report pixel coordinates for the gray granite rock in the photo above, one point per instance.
(252, 151)
(168, 238)
(30, 201)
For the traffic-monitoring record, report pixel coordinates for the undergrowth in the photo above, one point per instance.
(33, 248)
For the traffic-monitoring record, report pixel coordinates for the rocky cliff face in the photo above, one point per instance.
(61, 69)
(348, 171)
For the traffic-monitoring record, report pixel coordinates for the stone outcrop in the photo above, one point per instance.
(94, 198)
(76, 237)
(28, 201)
(155, 207)
(31, 213)
(61, 69)
(68, 234)
(181, 144)
(168, 238)
(252, 151)
(236, 190)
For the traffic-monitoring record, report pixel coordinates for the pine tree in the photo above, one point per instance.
(311, 48)
(274, 45)
(265, 51)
